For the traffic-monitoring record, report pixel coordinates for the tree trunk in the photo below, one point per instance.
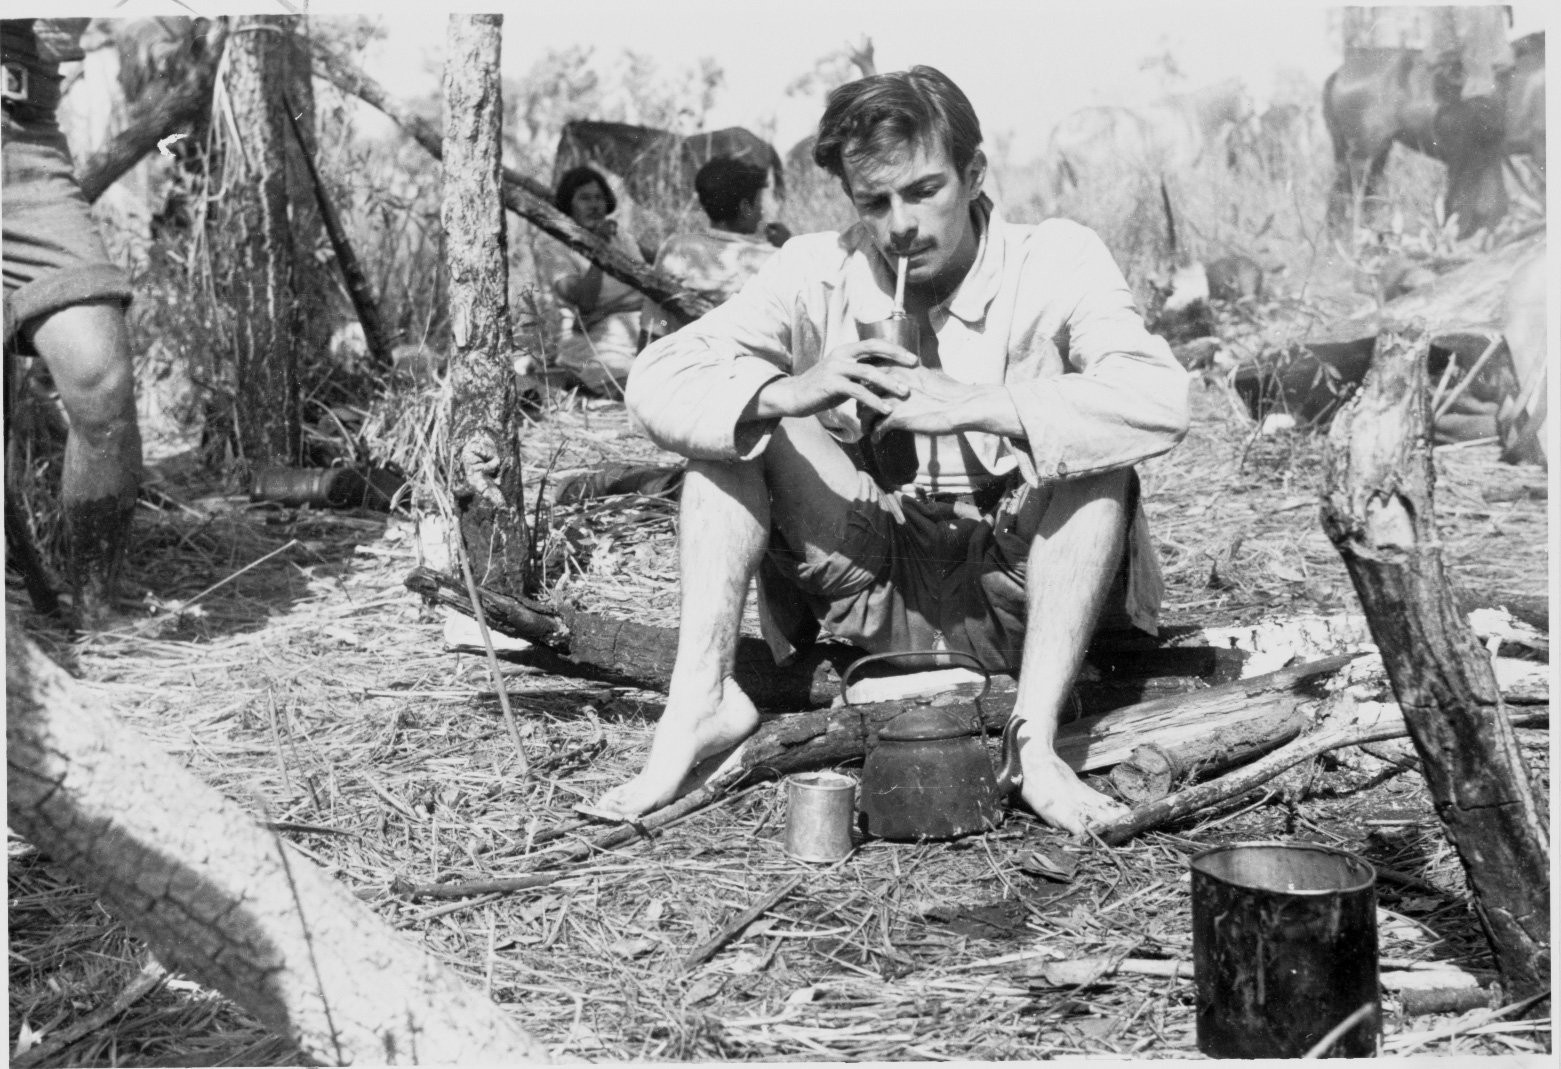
(313, 274)
(1378, 510)
(221, 898)
(252, 245)
(484, 457)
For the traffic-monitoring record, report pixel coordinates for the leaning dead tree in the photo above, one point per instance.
(484, 445)
(166, 108)
(218, 896)
(1378, 510)
(527, 198)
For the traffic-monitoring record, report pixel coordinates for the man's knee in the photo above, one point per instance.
(87, 349)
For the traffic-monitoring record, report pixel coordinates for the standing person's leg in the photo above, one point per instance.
(87, 349)
(67, 299)
(1073, 561)
(724, 529)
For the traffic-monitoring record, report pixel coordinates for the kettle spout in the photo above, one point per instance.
(1010, 775)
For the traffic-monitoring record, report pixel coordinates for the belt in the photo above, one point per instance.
(983, 500)
(25, 94)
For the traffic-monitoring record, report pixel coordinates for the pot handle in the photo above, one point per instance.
(845, 677)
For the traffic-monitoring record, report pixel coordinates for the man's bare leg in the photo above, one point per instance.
(87, 348)
(1073, 560)
(724, 528)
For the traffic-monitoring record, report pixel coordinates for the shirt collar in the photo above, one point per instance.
(869, 285)
(732, 235)
(975, 293)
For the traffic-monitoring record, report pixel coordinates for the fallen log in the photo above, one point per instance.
(1379, 512)
(1162, 811)
(1205, 728)
(568, 641)
(228, 902)
(797, 742)
(1420, 991)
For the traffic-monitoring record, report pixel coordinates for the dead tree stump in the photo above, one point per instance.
(1377, 509)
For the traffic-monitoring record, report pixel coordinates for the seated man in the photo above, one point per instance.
(715, 262)
(1034, 391)
(65, 301)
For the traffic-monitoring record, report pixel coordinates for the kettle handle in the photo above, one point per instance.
(845, 677)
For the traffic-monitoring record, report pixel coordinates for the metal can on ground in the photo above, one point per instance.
(1284, 943)
(820, 810)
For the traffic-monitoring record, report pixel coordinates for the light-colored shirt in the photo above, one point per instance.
(713, 263)
(1043, 311)
(561, 262)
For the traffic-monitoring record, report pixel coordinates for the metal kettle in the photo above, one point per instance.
(927, 774)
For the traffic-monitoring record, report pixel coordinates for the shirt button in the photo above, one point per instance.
(1062, 469)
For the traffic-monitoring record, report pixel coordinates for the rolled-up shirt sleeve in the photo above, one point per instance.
(1122, 397)
(688, 391)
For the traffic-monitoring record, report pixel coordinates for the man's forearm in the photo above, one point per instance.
(971, 407)
(990, 409)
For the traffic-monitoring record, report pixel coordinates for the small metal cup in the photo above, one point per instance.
(899, 329)
(820, 809)
(891, 459)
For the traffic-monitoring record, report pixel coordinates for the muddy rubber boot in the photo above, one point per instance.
(97, 533)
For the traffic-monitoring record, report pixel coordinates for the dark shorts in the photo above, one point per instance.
(53, 255)
(951, 576)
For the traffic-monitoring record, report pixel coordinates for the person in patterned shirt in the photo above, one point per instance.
(716, 261)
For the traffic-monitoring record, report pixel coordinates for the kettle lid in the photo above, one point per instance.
(927, 722)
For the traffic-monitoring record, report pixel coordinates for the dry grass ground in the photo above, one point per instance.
(317, 691)
(314, 689)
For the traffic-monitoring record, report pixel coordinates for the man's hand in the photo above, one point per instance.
(936, 403)
(846, 373)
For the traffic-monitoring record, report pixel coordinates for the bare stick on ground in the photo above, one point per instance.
(1161, 811)
(1378, 510)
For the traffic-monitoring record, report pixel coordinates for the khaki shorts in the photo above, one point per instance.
(952, 576)
(53, 255)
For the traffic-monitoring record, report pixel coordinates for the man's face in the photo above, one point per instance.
(913, 200)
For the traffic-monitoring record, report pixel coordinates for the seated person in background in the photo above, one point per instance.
(65, 301)
(716, 261)
(601, 334)
(1033, 392)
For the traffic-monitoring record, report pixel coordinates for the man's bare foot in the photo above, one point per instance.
(685, 736)
(1055, 792)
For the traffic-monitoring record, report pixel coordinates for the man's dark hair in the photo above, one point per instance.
(724, 183)
(573, 180)
(881, 112)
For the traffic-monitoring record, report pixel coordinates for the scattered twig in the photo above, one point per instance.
(735, 926)
(1415, 1042)
(151, 977)
(185, 605)
(1325, 1044)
